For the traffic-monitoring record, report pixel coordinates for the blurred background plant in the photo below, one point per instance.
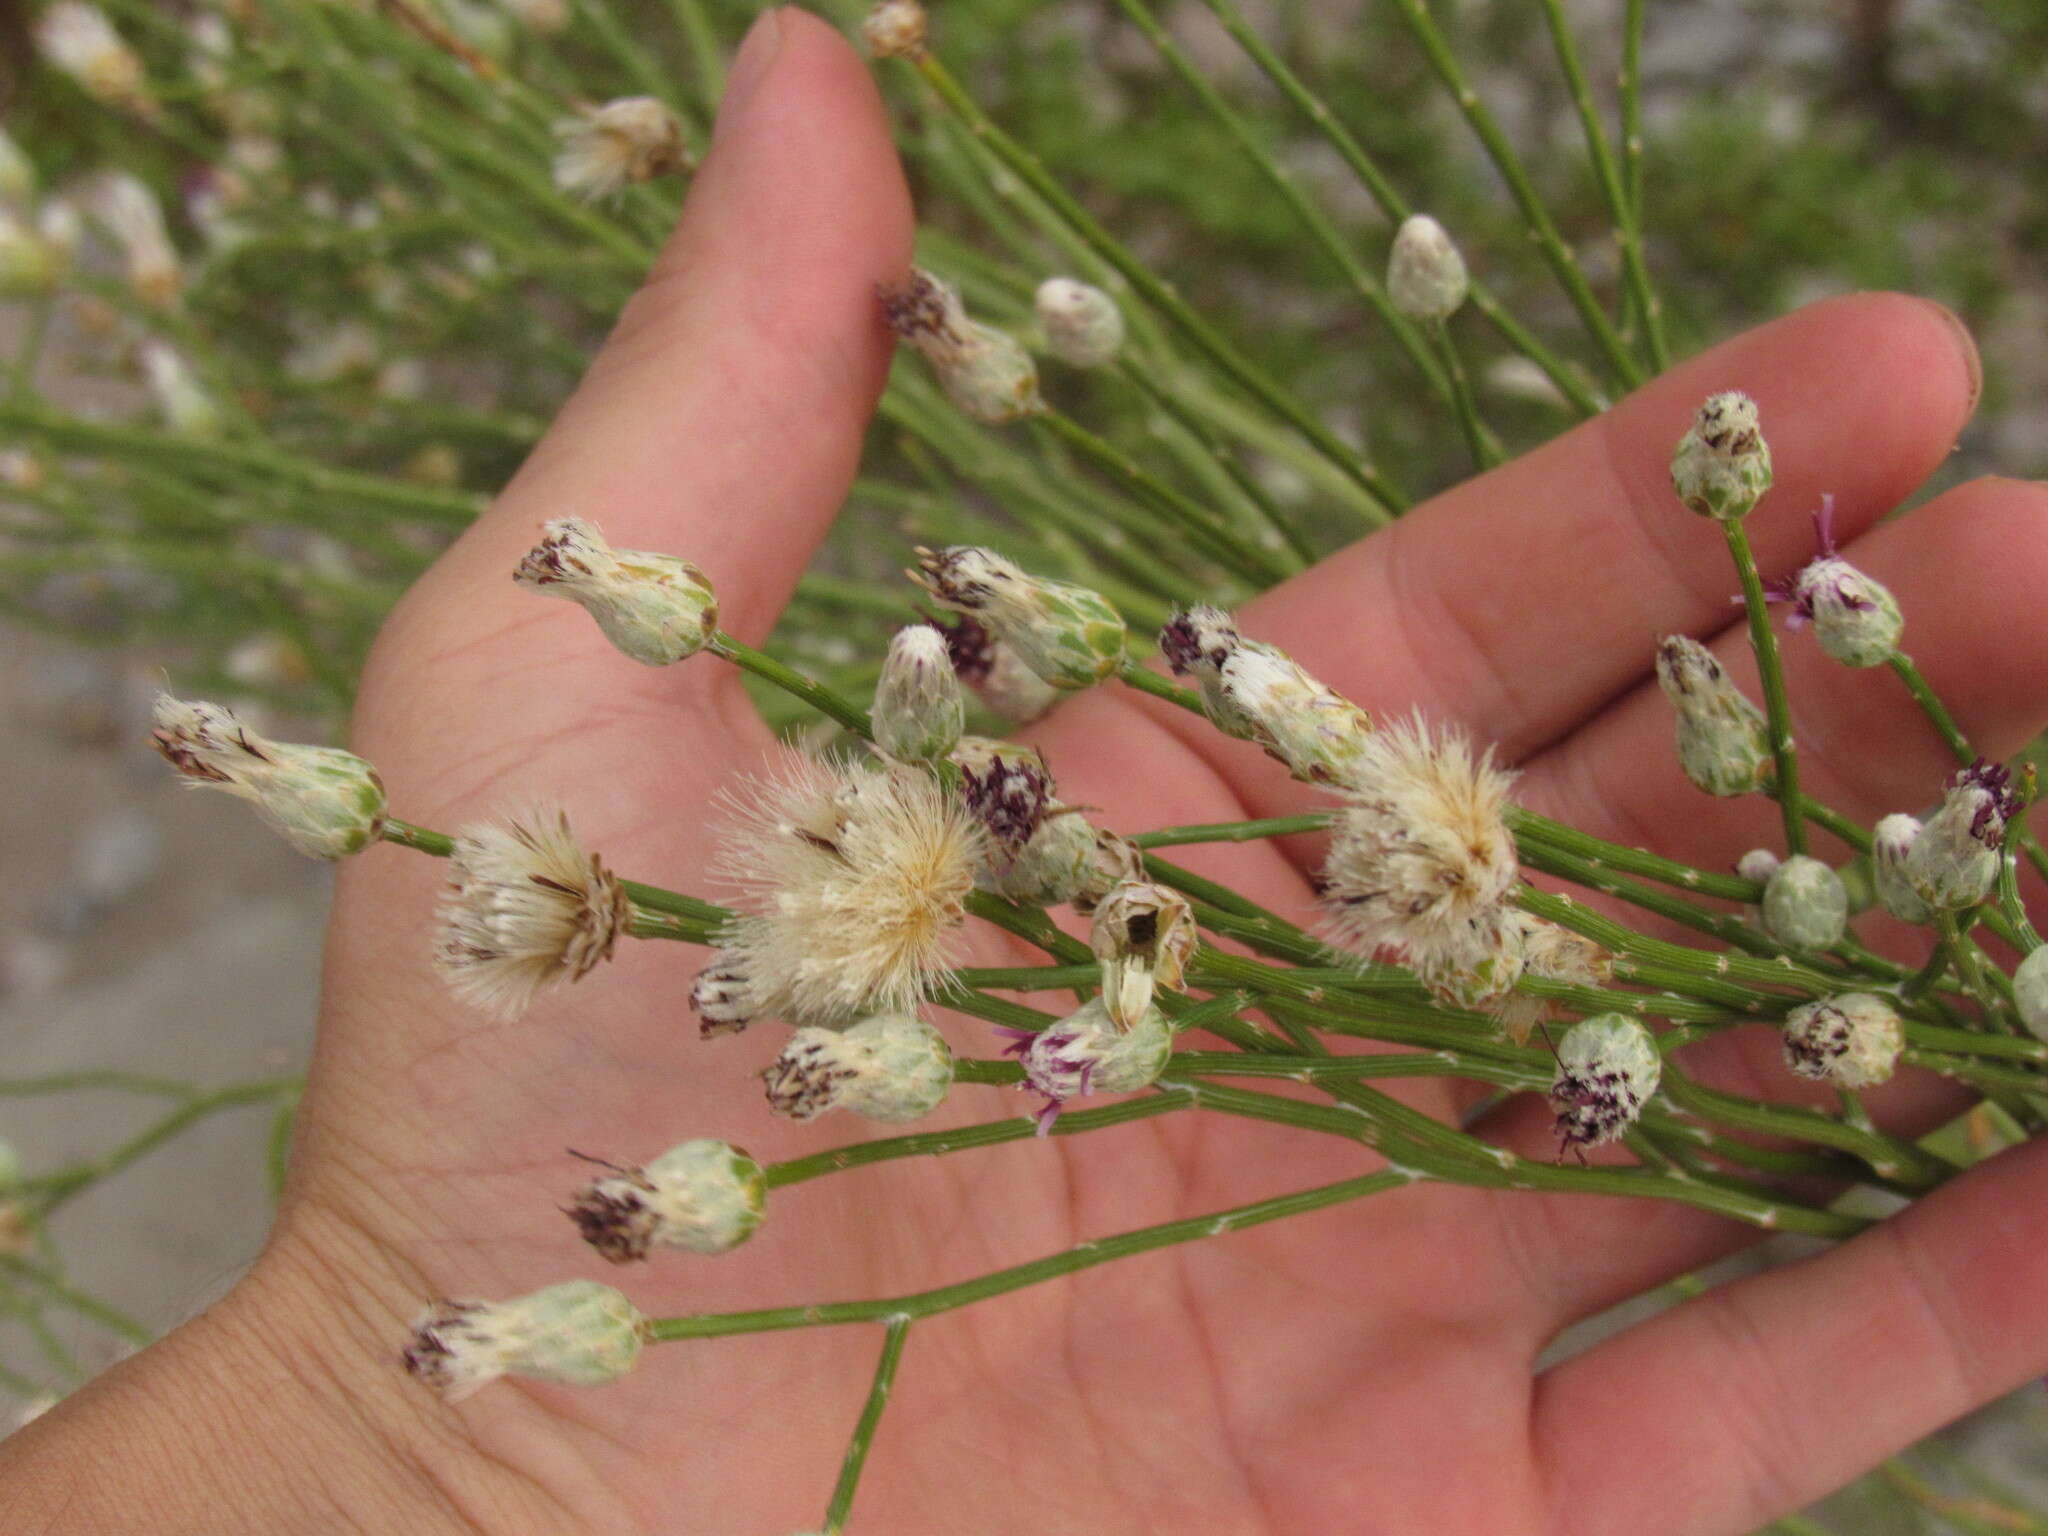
(288, 288)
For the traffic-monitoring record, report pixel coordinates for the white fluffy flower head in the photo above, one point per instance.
(850, 879)
(1421, 852)
(526, 908)
(607, 148)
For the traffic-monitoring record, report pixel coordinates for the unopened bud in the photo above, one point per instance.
(1607, 1068)
(1082, 324)
(1069, 635)
(1953, 863)
(919, 710)
(1723, 744)
(323, 801)
(1805, 904)
(1723, 465)
(1068, 859)
(579, 1334)
(618, 144)
(1273, 700)
(1855, 619)
(724, 997)
(2030, 992)
(1087, 1053)
(892, 1067)
(997, 674)
(986, 373)
(1144, 935)
(656, 608)
(702, 1196)
(1851, 1041)
(1425, 274)
(1890, 841)
(1759, 864)
(894, 29)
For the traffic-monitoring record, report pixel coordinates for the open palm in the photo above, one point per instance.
(1369, 1368)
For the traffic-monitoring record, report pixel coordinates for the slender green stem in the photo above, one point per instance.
(1000, 1282)
(1204, 336)
(1628, 235)
(898, 1329)
(60, 1187)
(1953, 738)
(1777, 709)
(789, 680)
(1136, 675)
(704, 52)
(1234, 831)
(1534, 213)
(1480, 443)
(113, 1319)
(1888, 1157)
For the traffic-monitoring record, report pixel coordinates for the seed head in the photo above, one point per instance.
(657, 609)
(1421, 851)
(1070, 636)
(1723, 744)
(1144, 935)
(618, 144)
(1855, 619)
(985, 372)
(1082, 325)
(1891, 840)
(1805, 904)
(1953, 863)
(1425, 274)
(579, 1333)
(1722, 466)
(525, 909)
(1851, 1041)
(1086, 1052)
(702, 1196)
(894, 29)
(919, 711)
(892, 1068)
(324, 802)
(850, 879)
(1607, 1067)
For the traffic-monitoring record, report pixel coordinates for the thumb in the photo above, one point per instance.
(722, 421)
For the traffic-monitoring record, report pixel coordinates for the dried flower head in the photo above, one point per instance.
(1007, 788)
(701, 1196)
(850, 879)
(986, 373)
(997, 674)
(618, 144)
(1851, 1041)
(579, 1333)
(919, 710)
(323, 801)
(1607, 1068)
(1421, 849)
(525, 908)
(894, 29)
(1144, 935)
(655, 608)
(1083, 326)
(1086, 1052)
(1722, 465)
(1856, 620)
(892, 1068)
(1953, 863)
(723, 997)
(1425, 274)
(1070, 636)
(1723, 744)
(1805, 904)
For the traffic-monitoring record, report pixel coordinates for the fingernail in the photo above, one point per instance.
(756, 57)
(1967, 345)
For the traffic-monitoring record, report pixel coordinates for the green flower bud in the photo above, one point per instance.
(579, 1333)
(1851, 1041)
(1723, 465)
(892, 1067)
(703, 1196)
(1082, 325)
(2030, 992)
(1891, 840)
(1425, 274)
(919, 709)
(1011, 690)
(323, 801)
(1805, 904)
(656, 608)
(1607, 1068)
(1066, 634)
(1953, 863)
(1723, 744)
(1087, 1053)
(986, 373)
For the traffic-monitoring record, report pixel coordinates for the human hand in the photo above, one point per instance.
(1367, 1368)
